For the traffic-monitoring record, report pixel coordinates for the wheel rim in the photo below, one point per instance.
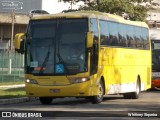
(100, 91)
(138, 89)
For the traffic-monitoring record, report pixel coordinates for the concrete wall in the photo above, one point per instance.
(6, 19)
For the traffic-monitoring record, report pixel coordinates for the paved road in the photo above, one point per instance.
(113, 106)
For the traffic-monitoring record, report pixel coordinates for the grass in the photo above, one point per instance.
(12, 93)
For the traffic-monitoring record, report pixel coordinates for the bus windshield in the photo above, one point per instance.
(155, 55)
(56, 46)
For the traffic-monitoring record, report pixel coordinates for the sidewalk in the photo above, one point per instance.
(15, 100)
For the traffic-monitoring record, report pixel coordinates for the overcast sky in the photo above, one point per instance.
(53, 6)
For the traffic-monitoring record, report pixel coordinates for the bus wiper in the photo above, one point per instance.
(45, 62)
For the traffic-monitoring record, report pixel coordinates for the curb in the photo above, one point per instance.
(16, 100)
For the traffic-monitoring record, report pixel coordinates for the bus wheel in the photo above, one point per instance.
(135, 95)
(127, 95)
(46, 100)
(98, 99)
(157, 88)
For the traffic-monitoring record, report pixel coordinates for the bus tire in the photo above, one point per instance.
(127, 95)
(46, 100)
(157, 88)
(99, 98)
(135, 95)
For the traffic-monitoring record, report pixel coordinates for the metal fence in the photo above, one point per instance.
(11, 66)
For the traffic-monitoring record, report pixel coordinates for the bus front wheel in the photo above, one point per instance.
(46, 100)
(98, 99)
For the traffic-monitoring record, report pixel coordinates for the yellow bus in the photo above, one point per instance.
(85, 54)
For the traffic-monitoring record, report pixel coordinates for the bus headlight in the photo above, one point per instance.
(31, 81)
(78, 80)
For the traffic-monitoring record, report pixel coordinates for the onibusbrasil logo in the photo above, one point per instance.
(21, 115)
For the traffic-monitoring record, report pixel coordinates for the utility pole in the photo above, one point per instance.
(12, 31)
(98, 3)
(71, 4)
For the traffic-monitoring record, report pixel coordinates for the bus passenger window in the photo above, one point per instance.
(130, 36)
(146, 37)
(138, 37)
(122, 35)
(113, 33)
(104, 34)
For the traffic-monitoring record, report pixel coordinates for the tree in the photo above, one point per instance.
(134, 9)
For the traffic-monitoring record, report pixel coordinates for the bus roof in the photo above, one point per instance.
(91, 14)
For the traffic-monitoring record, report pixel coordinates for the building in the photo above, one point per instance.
(11, 22)
(14, 19)
(14, 16)
(153, 17)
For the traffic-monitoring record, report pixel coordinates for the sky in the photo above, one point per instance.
(53, 6)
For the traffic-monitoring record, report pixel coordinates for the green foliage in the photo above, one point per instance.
(12, 93)
(135, 9)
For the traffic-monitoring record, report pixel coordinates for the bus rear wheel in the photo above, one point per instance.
(46, 100)
(157, 88)
(127, 95)
(99, 98)
(134, 95)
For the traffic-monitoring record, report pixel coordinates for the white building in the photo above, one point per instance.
(153, 17)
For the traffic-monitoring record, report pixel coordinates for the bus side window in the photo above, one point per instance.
(113, 33)
(130, 36)
(94, 50)
(146, 37)
(143, 38)
(139, 43)
(122, 35)
(104, 34)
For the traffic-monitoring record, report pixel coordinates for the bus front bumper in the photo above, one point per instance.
(72, 90)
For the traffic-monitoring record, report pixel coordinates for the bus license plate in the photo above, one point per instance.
(54, 90)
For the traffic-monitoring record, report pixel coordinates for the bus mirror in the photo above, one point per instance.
(19, 42)
(89, 39)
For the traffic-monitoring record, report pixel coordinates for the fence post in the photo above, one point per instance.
(23, 60)
(10, 66)
(3, 66)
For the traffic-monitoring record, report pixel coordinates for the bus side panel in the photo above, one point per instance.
(126, 66)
